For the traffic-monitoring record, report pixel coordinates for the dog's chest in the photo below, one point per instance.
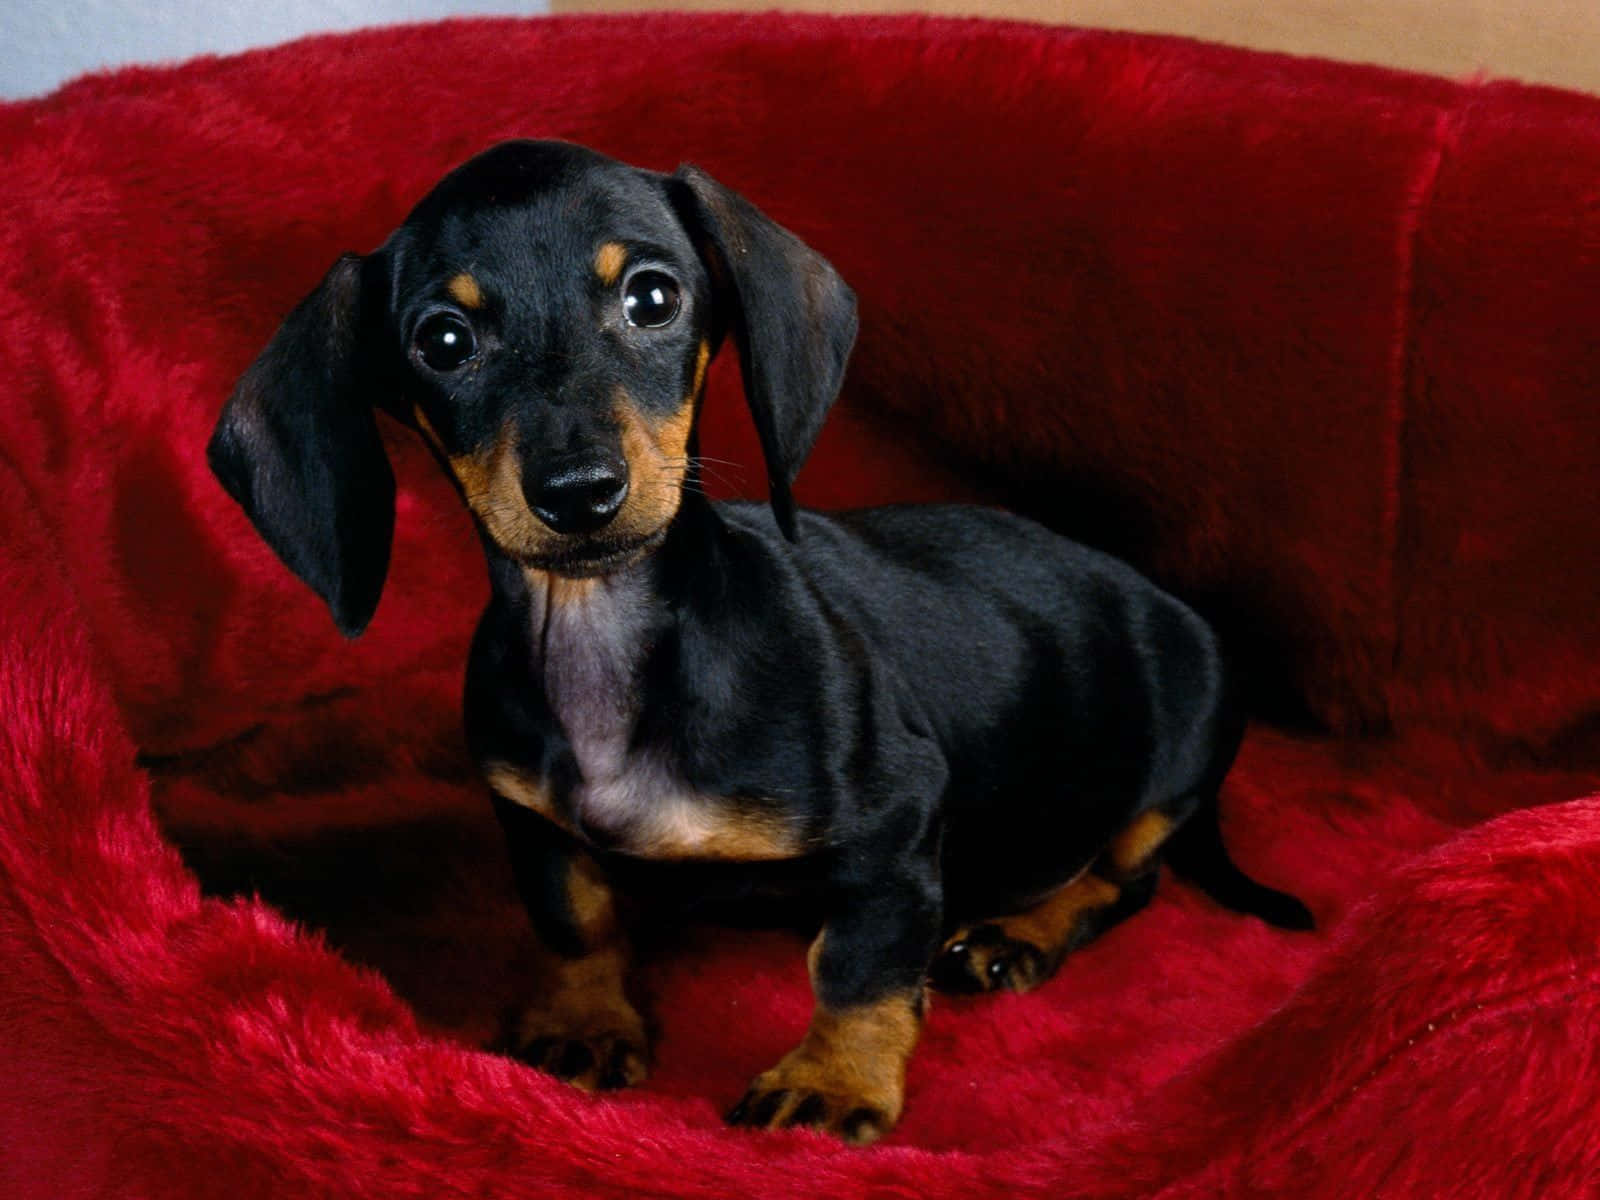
(631, 795)
(592, 647)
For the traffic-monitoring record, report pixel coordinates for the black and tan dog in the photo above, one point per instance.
(962, 741)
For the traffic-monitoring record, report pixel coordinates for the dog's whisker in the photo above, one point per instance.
(731, 485)
(686, 462)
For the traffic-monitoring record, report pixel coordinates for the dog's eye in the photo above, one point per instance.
(650, 299)
(444, 341)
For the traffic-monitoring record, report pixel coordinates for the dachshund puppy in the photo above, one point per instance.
(962, 742)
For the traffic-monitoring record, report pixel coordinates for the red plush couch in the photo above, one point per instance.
(1314, 345)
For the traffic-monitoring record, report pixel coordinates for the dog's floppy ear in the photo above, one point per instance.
(297, 446)
(793, 317)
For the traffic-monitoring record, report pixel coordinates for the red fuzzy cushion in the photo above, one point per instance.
(1311, 343)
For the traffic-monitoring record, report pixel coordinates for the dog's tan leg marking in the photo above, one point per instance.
(526, 788)
(1132, 851)
(581, 1025)
(1019, 952)
(847, 1075)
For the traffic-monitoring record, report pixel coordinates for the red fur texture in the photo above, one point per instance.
(1313, 344)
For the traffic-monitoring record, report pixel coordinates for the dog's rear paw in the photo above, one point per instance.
(985, 958)
(595, 1051)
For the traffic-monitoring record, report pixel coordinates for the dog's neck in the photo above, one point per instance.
(591, 638)
(593, 644)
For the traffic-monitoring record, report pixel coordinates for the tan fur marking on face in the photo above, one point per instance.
(558, 589)
(609, 261)
(656, 463)
(853, 1058)
(814, 952)
(702, 360)
(672, 435)
(428, 431)
(491, 480)
(1131, 849)
(464, 290)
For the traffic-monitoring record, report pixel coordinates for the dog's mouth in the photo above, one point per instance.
(592, 557)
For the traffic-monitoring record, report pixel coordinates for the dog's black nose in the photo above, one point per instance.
(578, 497)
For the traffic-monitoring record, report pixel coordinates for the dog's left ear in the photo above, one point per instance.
(792, 316)
(297, 446)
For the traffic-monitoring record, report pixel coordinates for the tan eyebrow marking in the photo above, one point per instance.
(465, 291)
(608, 262)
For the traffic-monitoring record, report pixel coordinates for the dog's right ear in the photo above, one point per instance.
(792, 316)
(297, 446)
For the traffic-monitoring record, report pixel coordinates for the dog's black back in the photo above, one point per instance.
(1067, 692)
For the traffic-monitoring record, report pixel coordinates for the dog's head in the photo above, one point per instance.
(544, 317)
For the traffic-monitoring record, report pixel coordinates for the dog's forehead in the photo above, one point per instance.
(551, 193)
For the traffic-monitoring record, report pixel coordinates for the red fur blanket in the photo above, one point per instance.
(1313, 344)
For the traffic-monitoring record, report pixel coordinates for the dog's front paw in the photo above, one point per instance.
(601, 1049)
(791, 1096)
(985, 958)
(847, 1076)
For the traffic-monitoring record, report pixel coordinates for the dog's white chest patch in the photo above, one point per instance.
(595, 640)
(595, 637)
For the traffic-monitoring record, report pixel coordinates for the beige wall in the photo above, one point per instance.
(1546, 41)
